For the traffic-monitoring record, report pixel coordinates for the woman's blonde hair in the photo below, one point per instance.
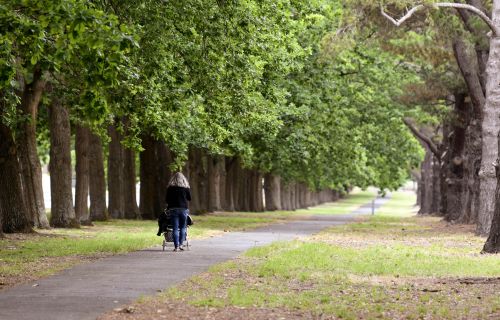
(178, 180)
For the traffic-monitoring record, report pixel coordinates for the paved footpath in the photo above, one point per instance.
(90, 289)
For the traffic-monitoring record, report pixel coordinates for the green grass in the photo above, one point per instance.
(298, 258)
(330, 274)
(400, 204)
(343, 206)
(17, 256)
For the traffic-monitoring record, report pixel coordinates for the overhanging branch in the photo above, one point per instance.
(432, 146)
(463, 6)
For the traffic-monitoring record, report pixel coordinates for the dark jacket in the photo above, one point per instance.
(177, 197)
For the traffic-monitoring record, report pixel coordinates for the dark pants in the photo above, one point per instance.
(178, 218)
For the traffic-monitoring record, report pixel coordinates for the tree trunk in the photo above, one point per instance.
(155, 160)
(97, 180)
(297, 195)
(471, 76)
(194, 167)
(198, 180)
(300, 195)
(148, 178)
(230, 165)
(426, 184)
(476, 84)
(440, 192)
(251, 192)
(293, 194)
(165, 158)
(307, 196)
(129, 183)
(62, 211)
(82, 175)
(286, 196)
(272, 192)
(116, 199)
(242, 182)
(487, 225)
(28, 155)
(454, 165)
(223, 181)
(417, 181)
(489, 133)
(492, 244)
(214, 169)
(14, 214)
(472, 163)
(256, 201)
(201, 177)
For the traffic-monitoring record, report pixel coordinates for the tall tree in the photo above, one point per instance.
(490, 126)
(60, 40)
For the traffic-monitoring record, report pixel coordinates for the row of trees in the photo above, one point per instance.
(310, 95)
(234, 93)
(458, 176)
(304, 100)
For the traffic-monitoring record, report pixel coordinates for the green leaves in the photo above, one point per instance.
(79, 49)
(285, 85)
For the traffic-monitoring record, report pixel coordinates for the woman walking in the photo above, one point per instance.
(177, 198)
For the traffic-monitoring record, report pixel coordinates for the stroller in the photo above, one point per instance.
(167, 229)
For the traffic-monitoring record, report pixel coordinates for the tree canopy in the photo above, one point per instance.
(288, 86)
